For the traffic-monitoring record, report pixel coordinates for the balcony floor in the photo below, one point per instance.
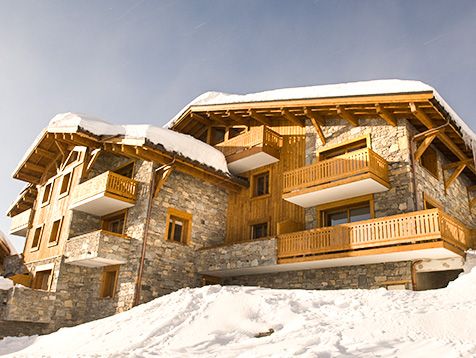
(335, 191)
(101, 204)
(426, 251)
(249, 159)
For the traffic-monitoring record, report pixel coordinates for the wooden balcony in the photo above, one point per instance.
(350, 175)
(21, 223)
(258, 147)
(96, 249)
(107, 193)
(428, 234)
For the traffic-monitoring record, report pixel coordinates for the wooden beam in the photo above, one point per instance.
(29, 178)
(45, 153)
(292, 118)
(238, 119)
(421, 116)
(472, 202)
(347, 116)
(316, 122)
(161, 176)
(259, 117)
(455, 175)
(94, 156)
(34, 167)
(457, 164)
(429, 132)
(199, 118)
(215, 118)
(386, 115)
(423, 146)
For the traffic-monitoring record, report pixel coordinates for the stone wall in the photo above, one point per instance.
(362, 276)
(14, 264)
(238, 256)
(170, 265)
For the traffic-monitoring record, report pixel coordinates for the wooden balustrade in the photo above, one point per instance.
(344, 166)
(21, 222)
(392, 230)
(109, 183)
(256, 137)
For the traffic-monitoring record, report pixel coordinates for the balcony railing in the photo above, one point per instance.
(342, 167)
(407, 228)
(104, 194)
(256, 137)
(21, 223)
(97, 248)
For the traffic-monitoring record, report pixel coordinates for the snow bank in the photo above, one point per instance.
(5, 283)
(172, 141)
(217, 321)
(361, 88)
(8, 243)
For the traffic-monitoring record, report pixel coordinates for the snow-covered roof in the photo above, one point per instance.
(174, 142)
(362, 88)
(8, 243)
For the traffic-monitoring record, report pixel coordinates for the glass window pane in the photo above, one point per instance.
(337, 218)
(359, 214)
(178, 231)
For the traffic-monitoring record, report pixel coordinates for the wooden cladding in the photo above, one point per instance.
(110, 183)
(347, 165)
(21, 222)
(261, 136)
(392, 230)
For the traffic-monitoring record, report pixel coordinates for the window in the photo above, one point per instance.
(109, 282)
(431, 203)
(429, 161)
(65, 183)
(126, 170)
(348, 214)
(115, 222)
(47, 194)
(344, 148)
(260, 184)
(37, 238)
(178, 227)
(55, 232)
(217, 135)
(259, 230)
(42, 280)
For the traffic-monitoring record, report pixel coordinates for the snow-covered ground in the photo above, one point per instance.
(217, 321)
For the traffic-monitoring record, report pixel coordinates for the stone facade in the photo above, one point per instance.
(362, 276)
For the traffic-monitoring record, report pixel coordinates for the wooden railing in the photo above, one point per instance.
(21, 221)
(108, 182)
(256, 137)
(344, 166)
(392, 230)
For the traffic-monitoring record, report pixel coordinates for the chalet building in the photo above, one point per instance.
(359, 185)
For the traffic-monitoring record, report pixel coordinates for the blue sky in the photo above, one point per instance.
(141, 61)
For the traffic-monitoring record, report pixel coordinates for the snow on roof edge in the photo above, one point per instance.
(8, 243)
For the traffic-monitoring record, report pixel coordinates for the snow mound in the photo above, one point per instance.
(217, 321)
(8, 243)
(5, 283)
(172, 141)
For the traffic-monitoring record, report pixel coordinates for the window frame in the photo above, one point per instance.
(254, 181)
(102, 288)
(49, 184)
(40, 238)
(183, 216)
(321, 153)
(58, 232)
(34, 283)
(353, 202)
(435, 160)
(427, 199)
(107, 219)
(260, 222)
(68, 187)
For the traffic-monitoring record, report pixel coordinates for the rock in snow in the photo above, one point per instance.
(215, 321)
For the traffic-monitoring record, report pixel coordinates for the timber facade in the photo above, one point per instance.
(361, 191)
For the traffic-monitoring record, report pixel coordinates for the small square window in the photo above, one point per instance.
(42, 280)
(259, 230)
(37, 238)
(178, 226)
(115, 223)
(65, 184)
(47, 194)
(260, 184)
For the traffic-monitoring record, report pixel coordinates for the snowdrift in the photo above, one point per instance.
(217, 321)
